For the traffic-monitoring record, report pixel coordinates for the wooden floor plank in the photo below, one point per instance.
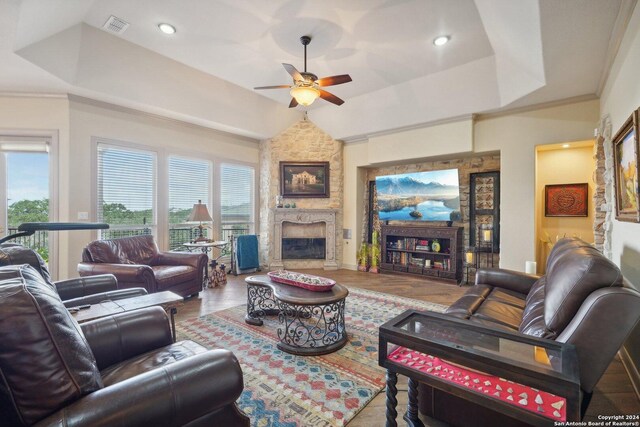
(613, 395)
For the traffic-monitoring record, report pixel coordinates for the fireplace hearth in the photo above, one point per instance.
(304, 234)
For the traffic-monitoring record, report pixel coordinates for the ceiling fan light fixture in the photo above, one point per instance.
(305, 95)
(441, 40)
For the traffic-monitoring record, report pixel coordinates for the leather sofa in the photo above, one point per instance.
(73, 292)
(122, 370)
(137, 262)
(582, 300)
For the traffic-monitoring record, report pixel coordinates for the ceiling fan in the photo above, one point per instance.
(306, 86)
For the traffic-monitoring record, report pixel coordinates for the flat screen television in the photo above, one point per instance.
(419, 196)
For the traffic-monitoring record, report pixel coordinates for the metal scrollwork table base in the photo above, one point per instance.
(311, 323)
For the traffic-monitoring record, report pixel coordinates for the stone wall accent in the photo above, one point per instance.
(302, 142)
(603, 196)
(465, 166)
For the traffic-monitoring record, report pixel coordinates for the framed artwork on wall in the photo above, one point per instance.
(625, 170)
(566, 200)
(304, 179)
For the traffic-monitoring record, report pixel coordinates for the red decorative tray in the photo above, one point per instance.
(301, 280)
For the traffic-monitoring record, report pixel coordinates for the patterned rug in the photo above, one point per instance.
(283, 390)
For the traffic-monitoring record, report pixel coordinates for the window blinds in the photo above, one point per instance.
(237, 193)
(126, 187)
(189, 181)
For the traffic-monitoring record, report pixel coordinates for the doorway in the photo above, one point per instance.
(564, 195)
(26, 188)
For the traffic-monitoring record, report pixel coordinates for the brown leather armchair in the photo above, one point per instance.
(136, 261)
(73, 292)
(120, 370)
(582, 300)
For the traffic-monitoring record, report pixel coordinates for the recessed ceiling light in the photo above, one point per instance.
(441, 40)
(566, 145)
(167, 28)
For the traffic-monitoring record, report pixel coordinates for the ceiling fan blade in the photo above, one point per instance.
(293, 103)
(293, 71)
(330, 97)
(334, 80)
(273, 87)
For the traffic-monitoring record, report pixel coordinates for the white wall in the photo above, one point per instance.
(89, 120)
(77, 121)
(620, 97)
(514, 135)
(44, 114)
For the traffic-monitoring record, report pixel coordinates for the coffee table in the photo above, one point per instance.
(169, 301)
(311, 323)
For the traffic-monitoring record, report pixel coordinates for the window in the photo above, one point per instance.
(126, 191)
(189, 181)
(24, 188)
(237, 189)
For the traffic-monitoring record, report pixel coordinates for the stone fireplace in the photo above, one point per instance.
(315, 219)
(304, 234)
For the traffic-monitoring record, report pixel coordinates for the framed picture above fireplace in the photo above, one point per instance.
(304, 179)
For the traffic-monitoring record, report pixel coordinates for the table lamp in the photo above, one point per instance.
(200, 213)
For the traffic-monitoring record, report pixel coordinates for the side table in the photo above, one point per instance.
(207, 247)
(530, 379)
(168, 300)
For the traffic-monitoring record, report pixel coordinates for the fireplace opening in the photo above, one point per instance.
(303, 248)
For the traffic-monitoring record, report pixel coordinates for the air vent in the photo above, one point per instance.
(115, 25)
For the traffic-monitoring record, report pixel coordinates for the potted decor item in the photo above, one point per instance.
(454, 216)
(374, 253)
(363, 257)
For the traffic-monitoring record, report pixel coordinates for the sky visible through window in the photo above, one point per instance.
(27, 177)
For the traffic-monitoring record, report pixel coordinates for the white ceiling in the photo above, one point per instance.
(502, 54)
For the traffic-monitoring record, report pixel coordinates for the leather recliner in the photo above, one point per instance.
(137, 262)
(120, 370)
(73, 292)
(582, 300)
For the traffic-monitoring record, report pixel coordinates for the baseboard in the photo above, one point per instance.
(631, 368)
(349, 266)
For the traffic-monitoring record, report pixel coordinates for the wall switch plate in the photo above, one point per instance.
(83, 215)
(346, 233)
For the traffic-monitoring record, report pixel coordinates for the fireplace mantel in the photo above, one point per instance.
(304, 216)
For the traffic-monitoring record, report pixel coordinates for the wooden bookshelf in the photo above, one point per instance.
(410, 249)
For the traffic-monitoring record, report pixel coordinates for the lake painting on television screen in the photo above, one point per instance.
(418, 196)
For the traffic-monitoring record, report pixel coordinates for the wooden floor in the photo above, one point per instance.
(614, 394)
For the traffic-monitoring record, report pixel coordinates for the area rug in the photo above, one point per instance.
(283, 390)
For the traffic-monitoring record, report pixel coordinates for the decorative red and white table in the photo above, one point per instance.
(526, 378)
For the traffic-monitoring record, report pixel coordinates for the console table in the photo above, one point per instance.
(530, 379)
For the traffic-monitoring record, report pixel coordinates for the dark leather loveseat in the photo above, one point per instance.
(581, 300)
(136, 261)
(122, 370)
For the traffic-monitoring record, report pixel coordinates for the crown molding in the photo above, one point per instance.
(34, 95)
(500, 112)
(364, 137)
(141, 113)
(617, 34)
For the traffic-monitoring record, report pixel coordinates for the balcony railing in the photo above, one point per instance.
(177, 236)
(39, 242)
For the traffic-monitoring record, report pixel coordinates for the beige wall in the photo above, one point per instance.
(514, 135)
(562, 166)
(45, 114)
(620, 97)
(79, 121)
